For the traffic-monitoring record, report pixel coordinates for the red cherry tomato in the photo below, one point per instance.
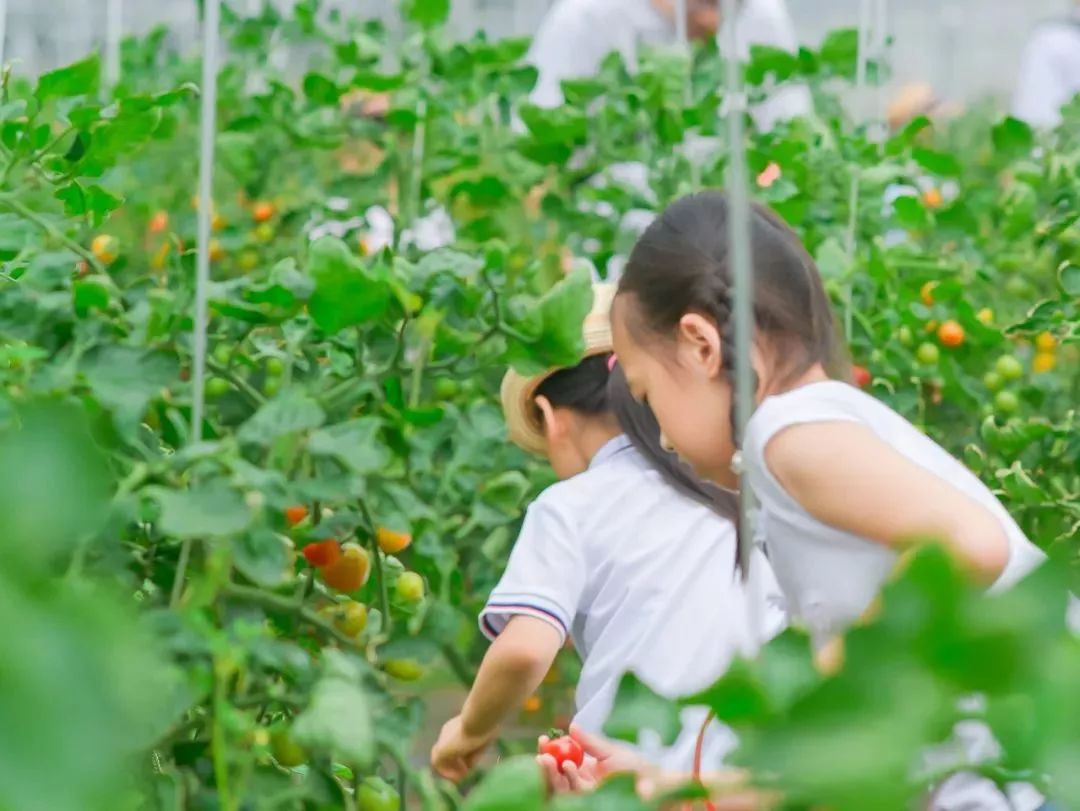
(861, 376)
(564, 749)
(322, 553)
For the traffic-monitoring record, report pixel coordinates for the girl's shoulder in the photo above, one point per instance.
(824, 401)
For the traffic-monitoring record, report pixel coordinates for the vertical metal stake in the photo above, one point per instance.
(208, 121)
(861, 61)
(741, 270)
(3, 31)
(114, 22)
(682, 28)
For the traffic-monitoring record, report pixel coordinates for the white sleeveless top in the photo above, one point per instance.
(830, 577)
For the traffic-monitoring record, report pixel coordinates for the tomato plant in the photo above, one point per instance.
(258, 617)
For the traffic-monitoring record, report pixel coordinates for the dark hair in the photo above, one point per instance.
(639, 424)
(681, 264)
(582, 388)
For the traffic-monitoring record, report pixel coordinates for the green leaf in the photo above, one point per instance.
(125, 379)
(616, 793)
(54, 481)
(839, 51)
(93, 200)
(426, 13)
(320, 89)
(207, 510)
(90, 293)
(262, 557)
(338, 719)
(78, 79)
(638, 708)
(290, 412)
(1012, 137)
(557, 319)
(356, 443)
(516, 783)
(346, 291)
(939, 163)
(1069, 279)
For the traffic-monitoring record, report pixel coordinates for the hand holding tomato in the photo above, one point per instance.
(600, 758)
(563, 748)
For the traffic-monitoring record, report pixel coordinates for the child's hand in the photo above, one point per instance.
(602, 758)
(455, 753)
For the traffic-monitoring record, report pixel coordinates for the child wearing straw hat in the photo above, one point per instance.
(617, 556)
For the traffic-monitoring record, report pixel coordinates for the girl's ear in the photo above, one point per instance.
(699, 342)
(553, 427)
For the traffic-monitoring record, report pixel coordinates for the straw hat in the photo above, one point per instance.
(522, 418)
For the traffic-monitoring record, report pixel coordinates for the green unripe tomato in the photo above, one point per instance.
(376, 794)
(1006, 402)
(928, 354)
(275, 367)
(907, 338)
(404, 669)
(217, 386)
(223, 354)
(410, 587)
(272, 386)
(285, 750)
(993, 381)
(446, 388)
(1009, 367)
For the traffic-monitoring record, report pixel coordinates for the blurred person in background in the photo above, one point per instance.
(576, 35)
(1049, 75)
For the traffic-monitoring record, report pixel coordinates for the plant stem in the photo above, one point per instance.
(51, 230)
(253, 395)
(217, 741)
(380, 575)
(181, 573)
(458, 665)
(276, 602)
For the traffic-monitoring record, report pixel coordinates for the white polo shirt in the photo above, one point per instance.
(576, 35)
(643, 579)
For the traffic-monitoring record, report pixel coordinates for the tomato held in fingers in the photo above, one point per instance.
(322, 553)
(376, 794)
(350, 571)
(564, 750)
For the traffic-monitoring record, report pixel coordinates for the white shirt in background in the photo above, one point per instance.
(1049, 75)
(643, 579)
(576, 36)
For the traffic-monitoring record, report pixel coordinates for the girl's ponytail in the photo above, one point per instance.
(639, 424)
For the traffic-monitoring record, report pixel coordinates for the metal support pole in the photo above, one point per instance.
(682, 28)
(861, 63)
(738, 184)
(114, 22)
(3, 30)
(208, 122)
(208, 126)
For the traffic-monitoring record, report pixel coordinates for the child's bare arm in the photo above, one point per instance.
(513, 668)
(845, 476)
